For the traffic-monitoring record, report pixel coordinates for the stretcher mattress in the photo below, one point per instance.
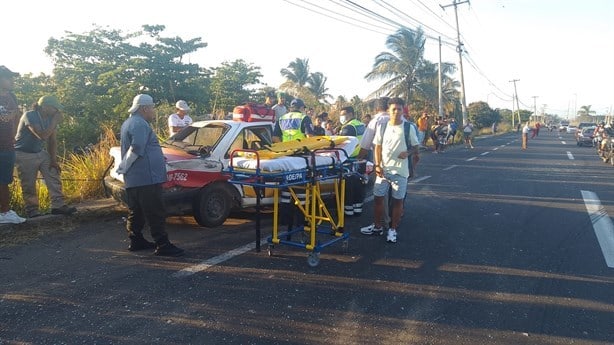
(290, 163)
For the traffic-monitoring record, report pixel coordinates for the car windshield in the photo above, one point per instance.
(195, 138)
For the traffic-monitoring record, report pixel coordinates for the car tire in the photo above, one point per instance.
(213, 206)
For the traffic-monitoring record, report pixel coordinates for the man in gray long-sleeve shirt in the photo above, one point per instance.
(144, 173)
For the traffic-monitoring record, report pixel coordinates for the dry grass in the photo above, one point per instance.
(82, 176)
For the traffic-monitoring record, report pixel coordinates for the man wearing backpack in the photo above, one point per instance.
(395, 142)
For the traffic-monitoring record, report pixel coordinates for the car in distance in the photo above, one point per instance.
(571, 129)
(586, 124)
(584, 136)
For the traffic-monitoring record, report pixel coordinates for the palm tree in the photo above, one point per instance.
(400, 65)
(586, 112)
(317, 85)
(426, 95)
(297, 74)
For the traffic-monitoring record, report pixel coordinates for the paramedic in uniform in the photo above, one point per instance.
(291, 126)
(294, 124)
(354, 191)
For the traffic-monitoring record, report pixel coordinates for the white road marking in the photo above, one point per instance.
(602, 224)
(495, 148)
(472, 158)
(502, 146)
(564, 143)
(450, 167)
(569, 155)
(419, 179)
(484, 153)
(216, 260)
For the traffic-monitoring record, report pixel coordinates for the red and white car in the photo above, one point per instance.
(195, 160)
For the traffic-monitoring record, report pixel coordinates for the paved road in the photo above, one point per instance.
(497, 246)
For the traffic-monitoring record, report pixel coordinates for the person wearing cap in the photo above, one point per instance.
(144, 173)
(36, 129)
(9, 115)
(180, 119)
(293, 125)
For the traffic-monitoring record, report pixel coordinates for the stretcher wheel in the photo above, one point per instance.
(313, 259)
(270, 249)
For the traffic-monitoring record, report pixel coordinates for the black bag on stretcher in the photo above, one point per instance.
(253, 112)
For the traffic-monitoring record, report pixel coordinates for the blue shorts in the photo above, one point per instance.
(7, 164)
(397, 183)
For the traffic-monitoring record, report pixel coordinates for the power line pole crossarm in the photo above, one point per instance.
(459, 48)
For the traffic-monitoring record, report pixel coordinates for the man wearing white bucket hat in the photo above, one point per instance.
(180, 119)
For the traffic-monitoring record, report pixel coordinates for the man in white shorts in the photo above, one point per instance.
(391, 153)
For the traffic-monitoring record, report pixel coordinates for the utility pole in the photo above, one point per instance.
(439, 83)
(459, 49)
(517, 103)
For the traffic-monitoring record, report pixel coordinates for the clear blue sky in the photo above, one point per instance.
(561, 51)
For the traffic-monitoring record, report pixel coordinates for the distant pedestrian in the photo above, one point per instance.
(525, 135)
(535, 130)
(467, 134)
(423, 126)
(144, 171)
(494, 128)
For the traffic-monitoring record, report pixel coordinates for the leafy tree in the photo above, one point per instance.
(96, 75)
(29, 88)
(229, 85)
(482, 115)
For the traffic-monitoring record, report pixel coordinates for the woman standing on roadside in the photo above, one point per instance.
(467, 131)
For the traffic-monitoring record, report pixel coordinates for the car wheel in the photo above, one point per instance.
(213, 206)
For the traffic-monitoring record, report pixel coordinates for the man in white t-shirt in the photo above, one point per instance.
(392, 152)
(180, 118)
(366, 143)
(280, 107)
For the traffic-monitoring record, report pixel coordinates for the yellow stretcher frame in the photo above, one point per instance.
(320, 221)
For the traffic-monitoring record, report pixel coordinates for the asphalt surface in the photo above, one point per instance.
(497, 246)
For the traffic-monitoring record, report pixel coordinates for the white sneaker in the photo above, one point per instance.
(371, 229)
(10, 217)
(392, 236)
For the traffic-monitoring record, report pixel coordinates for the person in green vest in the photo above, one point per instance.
(294, 124)
(354, 189)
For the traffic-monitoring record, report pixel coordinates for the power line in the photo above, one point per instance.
(392, 9)
(374, 18)
(337, 19)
